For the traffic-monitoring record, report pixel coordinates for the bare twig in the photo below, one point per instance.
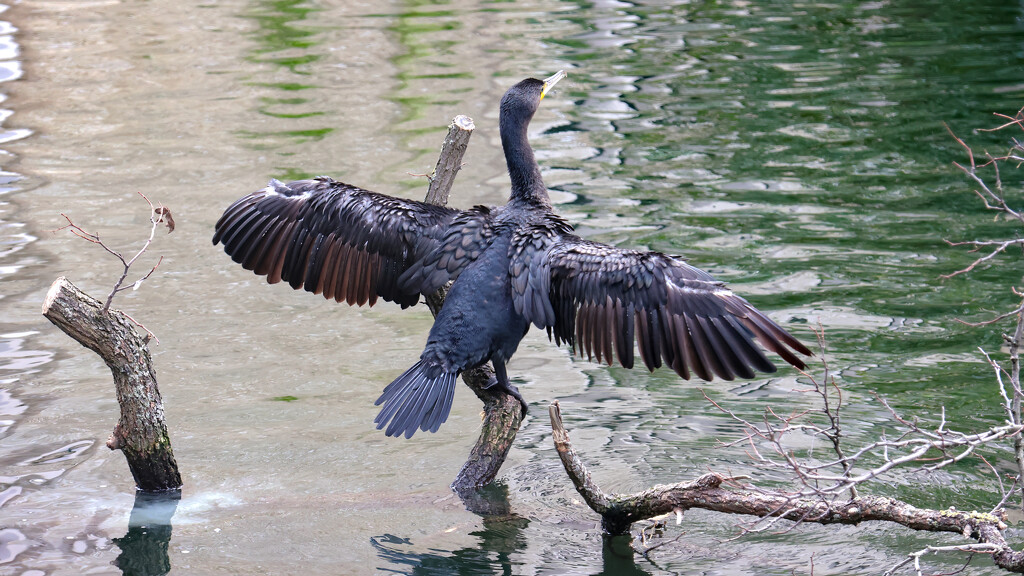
(158, 215)
(932, 449)
(994, 320)
(915, 557)
(994, 199)
(1015, 403)
(992, 196)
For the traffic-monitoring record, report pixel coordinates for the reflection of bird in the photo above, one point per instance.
(513, 266)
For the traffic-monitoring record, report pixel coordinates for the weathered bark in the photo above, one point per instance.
(619, 511)
(502, 413)
(141, 433)
(450, 160)
(502, 418)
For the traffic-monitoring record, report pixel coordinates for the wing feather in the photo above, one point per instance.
(600, 299)
(341, 268)
(686, 354)
(325, 280)
(275, 263)
(582, 317)
(624, 333)
(347, 243)
(721, 357)
(608, 329)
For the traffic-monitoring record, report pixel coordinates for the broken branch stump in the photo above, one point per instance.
(141, 433)
(502, 413)
(449, 162)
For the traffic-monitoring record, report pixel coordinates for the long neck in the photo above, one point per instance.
(527, 184)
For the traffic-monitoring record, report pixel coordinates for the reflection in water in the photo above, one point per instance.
(500, 538)
(12, 543)
(425, 37)
(499, 541)
(489, 501)
(618, 558)
(285, 41)
(281, 41)
(144, 547)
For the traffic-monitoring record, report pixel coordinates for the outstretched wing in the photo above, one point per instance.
(342, 241)
(601, 299)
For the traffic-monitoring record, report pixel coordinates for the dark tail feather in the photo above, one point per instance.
(415, 400)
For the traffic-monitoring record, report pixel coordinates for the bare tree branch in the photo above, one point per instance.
(502, 414)
(717, 493)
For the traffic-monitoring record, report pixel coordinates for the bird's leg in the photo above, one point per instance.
(500, 380)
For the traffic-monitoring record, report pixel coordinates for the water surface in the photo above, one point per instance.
(796, 151)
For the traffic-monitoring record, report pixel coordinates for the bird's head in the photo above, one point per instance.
(521, 101)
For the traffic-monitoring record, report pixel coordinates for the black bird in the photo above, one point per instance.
(513, 265)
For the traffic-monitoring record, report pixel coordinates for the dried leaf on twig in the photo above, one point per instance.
(163, 214)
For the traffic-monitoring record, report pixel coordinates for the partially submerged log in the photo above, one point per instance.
(714, 492)
(141, 433)
(502, 413)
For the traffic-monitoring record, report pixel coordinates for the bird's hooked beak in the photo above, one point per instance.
(550, 82)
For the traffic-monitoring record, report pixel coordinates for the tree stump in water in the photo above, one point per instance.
(141, 433)
(502, 413)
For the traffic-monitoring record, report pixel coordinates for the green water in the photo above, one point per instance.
(797, 151)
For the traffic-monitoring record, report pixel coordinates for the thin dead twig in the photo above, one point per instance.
(158, 215)
(993, 199)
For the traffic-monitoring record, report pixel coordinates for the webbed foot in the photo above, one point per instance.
(510, 390)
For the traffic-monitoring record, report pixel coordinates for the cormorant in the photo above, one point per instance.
(512, 266)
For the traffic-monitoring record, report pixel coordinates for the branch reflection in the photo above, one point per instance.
(144, 547)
